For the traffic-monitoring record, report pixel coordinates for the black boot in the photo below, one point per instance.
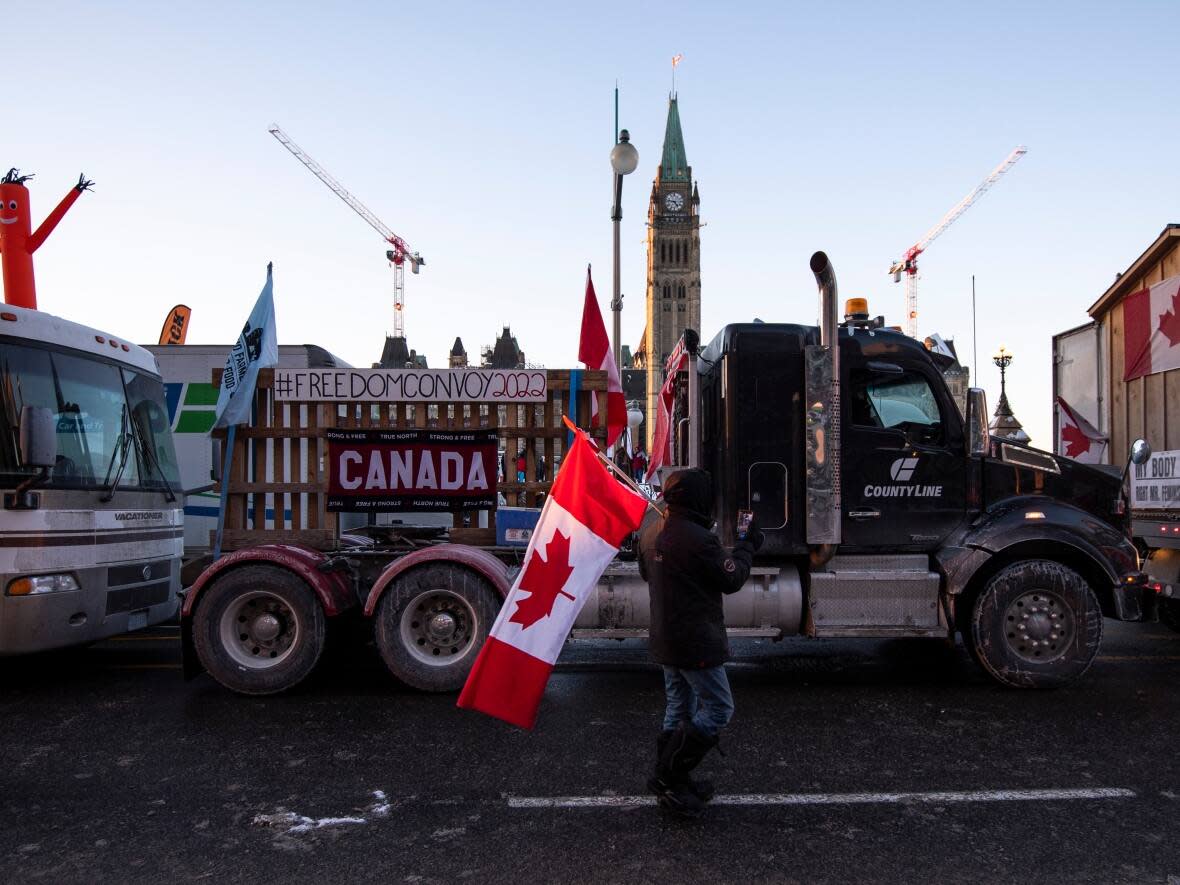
(681, 752)
(702, 788)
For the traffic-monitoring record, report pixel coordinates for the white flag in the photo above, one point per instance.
(257, 348)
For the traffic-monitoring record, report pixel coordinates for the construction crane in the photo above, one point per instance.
(908, 264)
(397, 256)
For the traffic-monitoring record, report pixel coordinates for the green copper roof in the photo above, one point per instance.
(674, 163)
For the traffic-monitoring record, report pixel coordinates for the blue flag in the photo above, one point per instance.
(257, 348)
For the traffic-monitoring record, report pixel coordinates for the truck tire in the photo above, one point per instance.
(1036, 624)
(258, 630)
(431, 623)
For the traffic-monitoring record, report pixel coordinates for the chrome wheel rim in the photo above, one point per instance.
(438, 627)
(259, 630)
(1039, 626)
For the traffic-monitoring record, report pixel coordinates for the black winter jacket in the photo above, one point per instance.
(687, 571)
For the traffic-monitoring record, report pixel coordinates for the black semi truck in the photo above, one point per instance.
(888, 513)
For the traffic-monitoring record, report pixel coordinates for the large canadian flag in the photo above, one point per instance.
(1077, 438)
(594, 350)
(583, 522)
(1151, 330)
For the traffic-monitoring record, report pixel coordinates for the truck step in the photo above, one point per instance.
(876, 596)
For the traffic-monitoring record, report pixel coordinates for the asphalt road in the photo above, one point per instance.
(846, 761)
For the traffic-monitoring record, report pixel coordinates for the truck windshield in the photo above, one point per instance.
(88, 397)
(903, 401)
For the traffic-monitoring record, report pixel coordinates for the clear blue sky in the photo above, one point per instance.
(481, 134)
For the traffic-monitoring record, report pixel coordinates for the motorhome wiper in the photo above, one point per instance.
(153, 462)
(122, 447)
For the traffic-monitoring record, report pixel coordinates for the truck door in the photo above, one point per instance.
(904, 467)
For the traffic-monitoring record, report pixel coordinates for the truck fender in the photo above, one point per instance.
(479, 561)
(1065, 533)
(331, 588)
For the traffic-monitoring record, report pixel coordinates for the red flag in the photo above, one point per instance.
(1151, 330)
(594, 350)
(1077, 437)
(661, 443)
(585, 519)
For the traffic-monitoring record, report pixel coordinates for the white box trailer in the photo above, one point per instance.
(187, 370)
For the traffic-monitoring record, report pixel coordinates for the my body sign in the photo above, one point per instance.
(411, 385)
(411, 470)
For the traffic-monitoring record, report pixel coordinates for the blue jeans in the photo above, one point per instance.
(700, 696)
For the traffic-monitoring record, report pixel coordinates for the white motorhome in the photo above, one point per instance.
(91, 532)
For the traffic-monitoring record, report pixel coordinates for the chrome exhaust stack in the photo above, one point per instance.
(821, 365)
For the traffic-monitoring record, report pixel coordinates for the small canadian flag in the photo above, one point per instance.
(583, 522)
(1151, 336)
(594, 350)
(1077, 437)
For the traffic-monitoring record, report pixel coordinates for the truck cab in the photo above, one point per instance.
(933, 527)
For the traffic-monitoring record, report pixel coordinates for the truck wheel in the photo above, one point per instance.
(259, 630)
(431, 623)
(1037, 624)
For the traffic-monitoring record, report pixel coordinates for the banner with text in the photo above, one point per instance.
(411, 470)
(411, 385)
(1155, 484)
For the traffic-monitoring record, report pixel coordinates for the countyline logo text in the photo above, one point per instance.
(902, 470)
(903, 491)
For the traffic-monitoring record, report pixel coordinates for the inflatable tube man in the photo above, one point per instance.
(17, 244)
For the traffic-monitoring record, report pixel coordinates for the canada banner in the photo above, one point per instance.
(585, 519)
(379, 470)
(1151, 330)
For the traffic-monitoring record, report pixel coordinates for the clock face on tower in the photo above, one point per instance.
(674, 202)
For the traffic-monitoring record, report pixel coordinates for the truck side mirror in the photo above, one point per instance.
(1140, 451)
(978, 435)
(215, 460)
(38, 437)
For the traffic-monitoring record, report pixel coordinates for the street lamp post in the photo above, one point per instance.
(1004, 423)
(623, 160)
(1003, 359)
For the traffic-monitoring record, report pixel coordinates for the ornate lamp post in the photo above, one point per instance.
(623, 160)
(1004, 423)
(1003, 359)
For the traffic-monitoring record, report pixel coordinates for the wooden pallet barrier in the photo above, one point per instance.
(278, 482)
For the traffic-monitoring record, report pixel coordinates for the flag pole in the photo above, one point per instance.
(627, 481)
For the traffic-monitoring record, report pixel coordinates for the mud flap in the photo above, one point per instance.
(1134, 602)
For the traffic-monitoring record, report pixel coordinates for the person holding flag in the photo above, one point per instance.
(688, 573)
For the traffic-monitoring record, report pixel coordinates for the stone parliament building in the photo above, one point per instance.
(673, 301)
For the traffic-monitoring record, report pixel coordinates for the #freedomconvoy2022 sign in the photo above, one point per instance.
(411, 385)
(1155, 484)
(375, 470)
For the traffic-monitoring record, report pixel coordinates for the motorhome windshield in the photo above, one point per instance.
(97, 406)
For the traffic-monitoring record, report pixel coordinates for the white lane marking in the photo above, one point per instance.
(1057, 795)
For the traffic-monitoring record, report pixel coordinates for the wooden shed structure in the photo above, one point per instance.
(1148, 406)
